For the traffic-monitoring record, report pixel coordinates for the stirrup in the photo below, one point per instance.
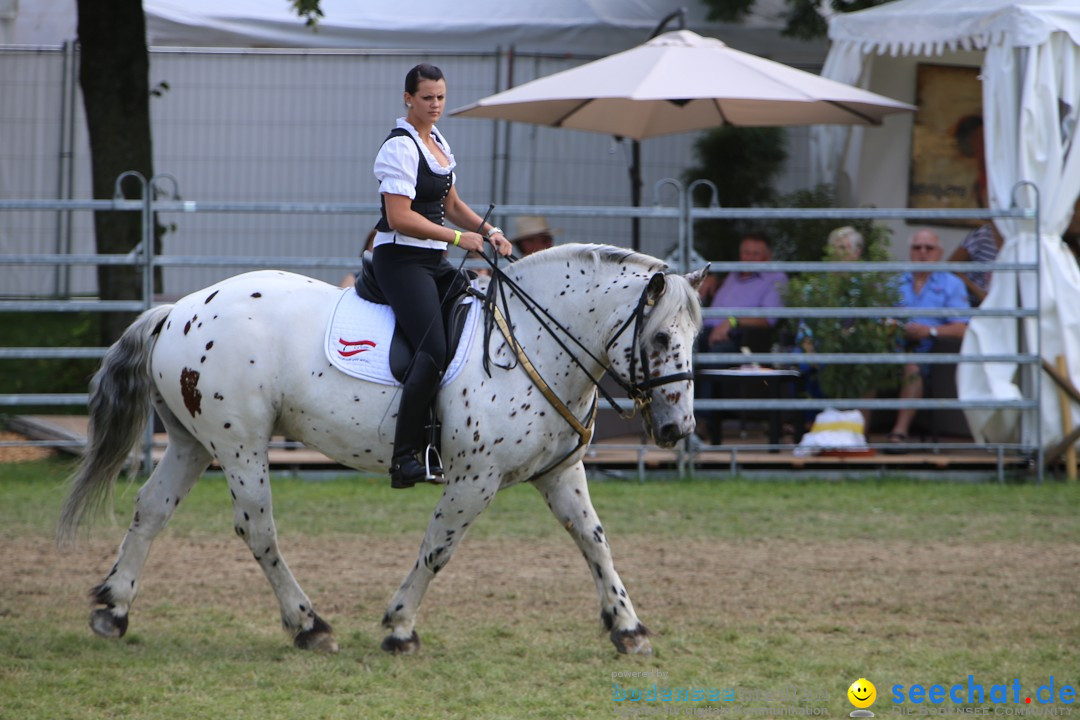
(433, 471)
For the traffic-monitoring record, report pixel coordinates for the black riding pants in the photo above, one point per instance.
(415, 281)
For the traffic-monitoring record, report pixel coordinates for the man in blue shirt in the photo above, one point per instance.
(926, 290)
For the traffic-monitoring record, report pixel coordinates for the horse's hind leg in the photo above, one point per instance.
(247, 472)
(170, 482)
(567, 495)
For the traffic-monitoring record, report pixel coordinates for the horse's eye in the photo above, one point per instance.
(662, 339)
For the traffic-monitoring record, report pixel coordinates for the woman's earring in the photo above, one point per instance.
(408, 105)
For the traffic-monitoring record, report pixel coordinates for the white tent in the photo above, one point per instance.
(1030, 69)
(586, 27)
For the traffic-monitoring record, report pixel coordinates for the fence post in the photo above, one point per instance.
(146, 248)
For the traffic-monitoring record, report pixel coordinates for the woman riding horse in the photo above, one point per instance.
(415, 168)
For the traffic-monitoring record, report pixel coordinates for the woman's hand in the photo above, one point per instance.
(500, 243)
(471, 241)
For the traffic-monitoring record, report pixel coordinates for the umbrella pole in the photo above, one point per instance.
(635, 194)
(635, 145)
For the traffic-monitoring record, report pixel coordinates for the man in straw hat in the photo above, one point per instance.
(533, 235)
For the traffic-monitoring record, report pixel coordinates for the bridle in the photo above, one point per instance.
(637, 388)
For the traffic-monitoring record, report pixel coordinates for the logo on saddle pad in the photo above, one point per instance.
(368, 356)
(354, 347)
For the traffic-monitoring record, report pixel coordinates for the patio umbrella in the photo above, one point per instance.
(681, 81)
(677, 82)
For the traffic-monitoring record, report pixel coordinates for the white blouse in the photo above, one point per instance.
(395, 169)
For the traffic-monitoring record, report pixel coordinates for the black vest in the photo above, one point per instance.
(431, 188)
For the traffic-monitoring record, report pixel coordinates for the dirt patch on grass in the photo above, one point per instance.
(21, 453)
(681, 587)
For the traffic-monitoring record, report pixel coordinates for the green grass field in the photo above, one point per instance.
(752, 588)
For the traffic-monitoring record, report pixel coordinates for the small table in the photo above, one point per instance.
(779, 377)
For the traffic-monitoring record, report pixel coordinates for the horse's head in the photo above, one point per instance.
(651, 353)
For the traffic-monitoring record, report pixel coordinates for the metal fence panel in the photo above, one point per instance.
(678, 221)
(300, 125)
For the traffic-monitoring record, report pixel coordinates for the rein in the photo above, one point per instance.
(637, 390)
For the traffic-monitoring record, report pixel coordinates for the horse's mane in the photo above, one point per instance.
(676, 297)
(593, 253)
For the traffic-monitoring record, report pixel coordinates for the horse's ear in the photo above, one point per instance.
(657, 285)
(697, 277)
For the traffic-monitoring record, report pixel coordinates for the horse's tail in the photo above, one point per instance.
(118, 408)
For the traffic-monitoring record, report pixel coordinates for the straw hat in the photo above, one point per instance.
(530, 225)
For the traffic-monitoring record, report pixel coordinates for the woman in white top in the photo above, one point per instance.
(415, 169)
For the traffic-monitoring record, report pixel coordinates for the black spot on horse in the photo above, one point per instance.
(256, 294)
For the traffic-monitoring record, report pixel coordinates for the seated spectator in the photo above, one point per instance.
(747, 289)
(365, 256)
(925, 290)
(845, 244)
(532, 235)
(980, 245)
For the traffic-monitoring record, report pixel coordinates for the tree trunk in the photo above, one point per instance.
(114, 76)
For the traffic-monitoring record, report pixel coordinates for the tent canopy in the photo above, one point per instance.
(1031, 112)
(586, 27)
(932, 26)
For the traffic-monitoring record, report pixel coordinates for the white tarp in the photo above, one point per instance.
(1031, 104)
(585, 27)
(8, 10)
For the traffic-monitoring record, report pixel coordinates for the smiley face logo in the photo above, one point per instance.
(862, 693)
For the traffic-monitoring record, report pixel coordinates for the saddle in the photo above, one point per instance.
(455, 311)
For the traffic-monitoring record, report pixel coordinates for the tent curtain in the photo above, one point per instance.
(834, 149)
(1031, 102)
(1031, 106)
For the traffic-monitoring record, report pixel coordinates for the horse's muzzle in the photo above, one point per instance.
(670, 433)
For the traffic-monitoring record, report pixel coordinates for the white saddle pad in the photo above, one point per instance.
(359, 333)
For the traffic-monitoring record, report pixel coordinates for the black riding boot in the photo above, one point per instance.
(409, 438)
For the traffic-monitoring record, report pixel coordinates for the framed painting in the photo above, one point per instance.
(948, 168)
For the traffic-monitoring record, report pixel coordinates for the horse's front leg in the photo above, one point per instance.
(567, 495)
(461, 502)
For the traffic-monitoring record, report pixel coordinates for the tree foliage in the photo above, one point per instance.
(803, 19)
(309, 10)
(808, 240)
(743, 164)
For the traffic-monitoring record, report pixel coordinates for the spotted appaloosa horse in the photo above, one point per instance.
(228, 366)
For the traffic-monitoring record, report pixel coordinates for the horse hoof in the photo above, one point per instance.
(319, 638)
(107, 625)
(316, 640)
(632, 642)
(397, 646)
